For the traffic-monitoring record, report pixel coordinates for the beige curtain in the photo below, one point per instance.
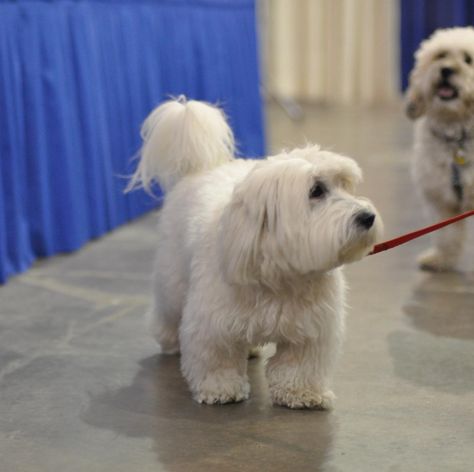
(341, 51)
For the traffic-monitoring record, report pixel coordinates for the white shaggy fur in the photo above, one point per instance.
(246, 257)
(444, 110)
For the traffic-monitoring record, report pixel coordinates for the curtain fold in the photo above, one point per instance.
(77, 78)
(338, 51)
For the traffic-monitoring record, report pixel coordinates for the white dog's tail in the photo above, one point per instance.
(180, 138)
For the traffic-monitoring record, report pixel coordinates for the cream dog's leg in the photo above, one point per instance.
(447, 247)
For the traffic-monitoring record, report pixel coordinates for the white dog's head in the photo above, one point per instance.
(295, 214)
(442, 81)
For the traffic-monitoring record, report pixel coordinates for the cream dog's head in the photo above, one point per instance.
(296, 214)
(442, 81)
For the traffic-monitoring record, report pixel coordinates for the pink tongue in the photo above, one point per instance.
(445, 92)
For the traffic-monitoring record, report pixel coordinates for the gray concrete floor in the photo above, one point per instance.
(82, 388)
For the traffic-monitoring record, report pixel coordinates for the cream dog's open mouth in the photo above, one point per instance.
(445, 91)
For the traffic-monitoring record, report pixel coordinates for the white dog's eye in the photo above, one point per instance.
(467, 58)
(318, 190)
(441, 55)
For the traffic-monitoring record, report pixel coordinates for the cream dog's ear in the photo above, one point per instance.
(415, 103)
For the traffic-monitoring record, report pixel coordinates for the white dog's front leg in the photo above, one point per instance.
(215, 373)
(298, 376)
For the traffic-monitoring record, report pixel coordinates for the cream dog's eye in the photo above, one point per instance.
(467, 58)
(318, 190)
(441, 55)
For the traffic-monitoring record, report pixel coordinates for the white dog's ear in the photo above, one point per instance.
(240, 238)
(345, 171)
(349, 174)
(415, 103)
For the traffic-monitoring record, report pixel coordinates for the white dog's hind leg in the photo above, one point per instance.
(164, 316)
(448, 245)
(298, 375)
(170, 284)
(164, 327)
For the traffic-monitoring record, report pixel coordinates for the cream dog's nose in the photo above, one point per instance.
(446, 72)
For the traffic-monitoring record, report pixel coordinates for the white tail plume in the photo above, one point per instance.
(181, 137)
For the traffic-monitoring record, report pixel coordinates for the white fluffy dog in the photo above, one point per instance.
(441, 98)
(249, 253)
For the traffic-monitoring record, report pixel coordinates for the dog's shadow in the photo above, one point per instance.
(189, 436)
(436, 353)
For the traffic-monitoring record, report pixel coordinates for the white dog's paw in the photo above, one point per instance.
(433, 260)
(212, 391)
(303, 398)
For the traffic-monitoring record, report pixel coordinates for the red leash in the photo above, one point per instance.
(420, 232)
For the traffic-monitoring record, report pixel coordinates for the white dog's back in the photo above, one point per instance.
(188, 149)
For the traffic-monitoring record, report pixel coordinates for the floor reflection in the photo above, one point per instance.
(436, 352)
(443, 305)
(188, 436)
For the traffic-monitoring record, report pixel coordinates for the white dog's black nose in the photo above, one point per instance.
(446, 72)
(365, 219)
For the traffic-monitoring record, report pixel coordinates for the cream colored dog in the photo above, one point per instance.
(441, 99)
(249, 252)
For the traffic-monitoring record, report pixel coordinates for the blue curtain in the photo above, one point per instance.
(77, 78)
(419, 18)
